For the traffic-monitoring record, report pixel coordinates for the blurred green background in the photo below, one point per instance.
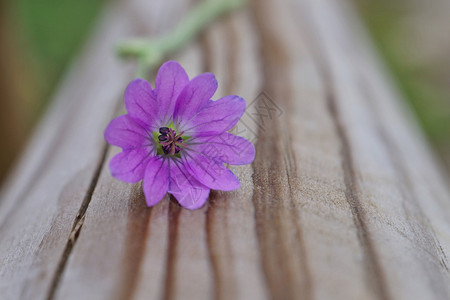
(38, 39)
(413, 37)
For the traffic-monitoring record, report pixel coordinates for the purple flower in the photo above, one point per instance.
(175, 137)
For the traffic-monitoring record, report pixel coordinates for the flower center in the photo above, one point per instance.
(171, 142)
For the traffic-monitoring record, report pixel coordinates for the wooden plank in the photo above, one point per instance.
(400, 236)
(343, 200)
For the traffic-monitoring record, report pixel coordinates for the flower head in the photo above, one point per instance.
(175, 137)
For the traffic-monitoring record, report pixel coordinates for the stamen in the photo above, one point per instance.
(171, 143)
(164, 130)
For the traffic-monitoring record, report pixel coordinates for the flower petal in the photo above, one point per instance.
(156, 180)
(190, 193)
(170, 81)
(195, 96)
(129, 165)
(140, 102)
(226, 147)
(125, 132)
(210, 172)
(217, 117)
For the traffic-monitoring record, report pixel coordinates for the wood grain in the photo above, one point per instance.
(343, 201)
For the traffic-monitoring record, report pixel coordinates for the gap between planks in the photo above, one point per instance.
(79, 219)
(77, 226)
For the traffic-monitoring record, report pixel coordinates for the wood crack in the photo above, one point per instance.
(223, 283)
(280, 238)
(426, 231)
(138, 226)
(77, 226)
(174, 217)
(376, 276)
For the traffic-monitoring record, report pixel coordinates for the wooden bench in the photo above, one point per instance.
(343, 201)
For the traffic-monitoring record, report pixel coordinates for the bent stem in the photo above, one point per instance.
(151, 52)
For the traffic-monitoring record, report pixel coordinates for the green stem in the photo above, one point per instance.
(150, 53)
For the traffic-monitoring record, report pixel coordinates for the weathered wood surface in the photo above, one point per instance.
(343, 200)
